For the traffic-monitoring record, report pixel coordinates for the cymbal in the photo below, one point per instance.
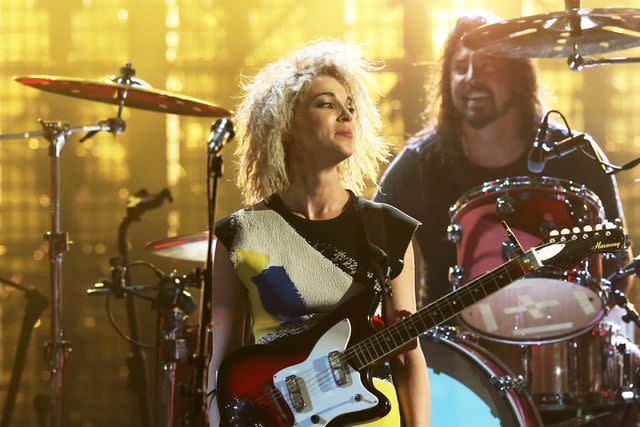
(139, 94)
(187, 247)
(549, 35)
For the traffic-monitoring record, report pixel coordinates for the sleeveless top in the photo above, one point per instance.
(296, 270)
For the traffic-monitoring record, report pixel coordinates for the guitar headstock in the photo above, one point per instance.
(565, 248)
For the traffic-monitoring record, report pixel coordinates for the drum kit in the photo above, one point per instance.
(542, 350)
(538, 345)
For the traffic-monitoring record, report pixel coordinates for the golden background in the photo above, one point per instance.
(201, 48)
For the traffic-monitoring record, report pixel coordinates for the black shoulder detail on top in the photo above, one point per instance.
(393, 235)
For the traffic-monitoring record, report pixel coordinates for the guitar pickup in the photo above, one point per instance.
(338, 368)
(293, 387)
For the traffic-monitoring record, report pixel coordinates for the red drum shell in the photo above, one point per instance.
(544, 307)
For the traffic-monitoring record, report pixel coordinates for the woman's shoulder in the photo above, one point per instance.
(227, 227)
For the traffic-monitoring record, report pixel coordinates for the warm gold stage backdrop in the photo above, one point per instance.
(200, 48)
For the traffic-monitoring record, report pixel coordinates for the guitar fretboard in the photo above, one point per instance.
(385, 342)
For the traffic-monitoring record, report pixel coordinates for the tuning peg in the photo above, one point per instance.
(599, 227)
(587, 228)
(576, 230)
(565, 231)
(554, 233)
(610, 226)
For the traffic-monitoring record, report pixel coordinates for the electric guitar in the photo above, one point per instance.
(323, 377)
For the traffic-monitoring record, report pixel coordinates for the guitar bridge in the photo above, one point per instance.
(293, 387)
(338, 368)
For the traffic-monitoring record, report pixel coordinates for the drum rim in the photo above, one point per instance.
(550, 340)
(492, 366)
(548, 184)
(596, 288)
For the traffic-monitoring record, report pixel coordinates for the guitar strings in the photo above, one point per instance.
(325, 376)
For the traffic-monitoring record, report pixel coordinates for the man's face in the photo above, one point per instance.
(481, 87)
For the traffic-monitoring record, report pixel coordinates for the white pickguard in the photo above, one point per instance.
(323, 397)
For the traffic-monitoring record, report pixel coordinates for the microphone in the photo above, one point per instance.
(541, 153)
(222, 131)
(536, 155)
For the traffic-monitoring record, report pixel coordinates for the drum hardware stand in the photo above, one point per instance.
(632, 268)
(57, 133)
(174, 305)
(58, 348)
(137, 204)
(576, 61)
(36, 304)
(222, 131)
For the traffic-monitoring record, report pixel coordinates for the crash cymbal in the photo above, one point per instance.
(558, 34)
(139, 94)
(187, 247)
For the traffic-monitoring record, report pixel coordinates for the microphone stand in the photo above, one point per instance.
(136, 206)
(222, 131)
(36, 304)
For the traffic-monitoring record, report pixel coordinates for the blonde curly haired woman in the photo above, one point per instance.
(309, 143)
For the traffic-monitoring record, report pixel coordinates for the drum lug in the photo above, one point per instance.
(456, 274)
(546, 227)
(579, 212)
(505, 206)
(509, 250)
(507, 383)
(454, 233)
(442, 332)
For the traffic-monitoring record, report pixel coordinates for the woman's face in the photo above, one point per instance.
(323, 125)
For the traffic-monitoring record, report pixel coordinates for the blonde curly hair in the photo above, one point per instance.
(266, 113)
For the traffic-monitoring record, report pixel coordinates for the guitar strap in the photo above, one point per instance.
(375, 230)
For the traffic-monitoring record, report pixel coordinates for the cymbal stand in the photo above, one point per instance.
(576, 61)
(57, 133)
(36, 303)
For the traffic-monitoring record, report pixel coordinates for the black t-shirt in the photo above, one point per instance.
(425, 179)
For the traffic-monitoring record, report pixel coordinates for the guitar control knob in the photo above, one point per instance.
(315, 419)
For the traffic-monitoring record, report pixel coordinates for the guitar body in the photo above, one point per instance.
(252, 382)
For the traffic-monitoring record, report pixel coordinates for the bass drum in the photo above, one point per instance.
(470, 387)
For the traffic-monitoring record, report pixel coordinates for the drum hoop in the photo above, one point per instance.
(545, 183)
(550, 340)
(488, 362)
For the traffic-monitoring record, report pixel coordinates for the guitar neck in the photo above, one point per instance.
(385, 342)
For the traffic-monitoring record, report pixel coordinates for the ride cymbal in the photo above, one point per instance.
(559, 34)
(138, 94)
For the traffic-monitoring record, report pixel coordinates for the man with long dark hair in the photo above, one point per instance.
(487, 110)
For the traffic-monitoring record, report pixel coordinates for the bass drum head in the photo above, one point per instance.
(462, 391)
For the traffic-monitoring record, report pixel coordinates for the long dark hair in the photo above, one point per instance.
(442, 117)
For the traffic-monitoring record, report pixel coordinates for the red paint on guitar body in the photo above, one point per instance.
(245, 372)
